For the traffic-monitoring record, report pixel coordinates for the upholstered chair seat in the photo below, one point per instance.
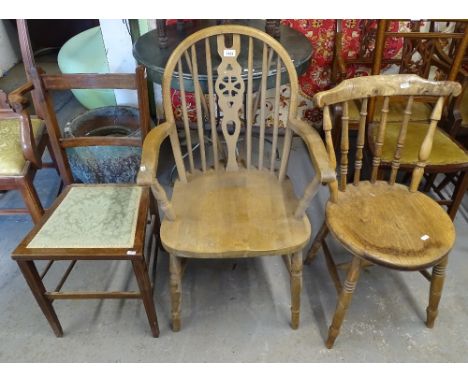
(444, 151)
(92, 216)
(12, 160)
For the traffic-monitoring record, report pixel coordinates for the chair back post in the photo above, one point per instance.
(143, 101)
(364, 88)
(27, 55)
(459, 56)
(45, 103)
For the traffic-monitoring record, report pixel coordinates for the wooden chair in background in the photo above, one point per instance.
(384, 222)
(23, 140)
(420, 54)
(89, 222)
(244, 206)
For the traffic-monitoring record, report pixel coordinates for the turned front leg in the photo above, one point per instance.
(176, 290)
(343, 301)
(437, 283)
(296, 287)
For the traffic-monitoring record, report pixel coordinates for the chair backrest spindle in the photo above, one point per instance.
(426, 145)
(211, 95)
(401, 140)
(261, 140)
(360, 141)
(185, 119)
(380, 140)
(344, 147)
(250, 113)
(274, 143)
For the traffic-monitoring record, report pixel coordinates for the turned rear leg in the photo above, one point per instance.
(175, 270)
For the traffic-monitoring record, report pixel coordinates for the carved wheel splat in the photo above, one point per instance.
(230, 91)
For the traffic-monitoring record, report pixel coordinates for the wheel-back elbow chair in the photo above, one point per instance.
(236, 205)
(104, 222)
(384, 222)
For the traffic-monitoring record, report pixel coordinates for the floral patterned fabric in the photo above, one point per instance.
(11, 154)
(92, 217)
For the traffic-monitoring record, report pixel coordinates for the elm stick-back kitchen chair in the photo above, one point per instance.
(245, 206)
(23, 140)
(384, 222)
(97, 222)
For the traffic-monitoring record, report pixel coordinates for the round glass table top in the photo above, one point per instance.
(148, 52)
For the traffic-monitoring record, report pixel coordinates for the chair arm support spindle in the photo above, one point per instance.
(317, 151)
(309, 193)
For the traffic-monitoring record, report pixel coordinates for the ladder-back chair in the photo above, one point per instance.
(384, 222)
(243, 206)
(97, 222)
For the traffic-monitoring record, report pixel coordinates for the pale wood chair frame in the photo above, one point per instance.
(364, 88)
(376, 60)
(152, 144)
(136, 255)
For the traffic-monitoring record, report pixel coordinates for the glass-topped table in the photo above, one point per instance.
(148, 52)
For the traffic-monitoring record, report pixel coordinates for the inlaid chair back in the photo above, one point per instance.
(233, 96)
(365, 88)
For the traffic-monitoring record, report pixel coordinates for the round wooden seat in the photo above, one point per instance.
(389, 225)
(221, 214)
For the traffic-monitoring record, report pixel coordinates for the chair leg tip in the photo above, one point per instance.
(329, 343)
(155, 333)
(176, 326)
(58, 332)
(431, 317)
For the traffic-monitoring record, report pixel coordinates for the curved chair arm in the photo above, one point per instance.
(150, 153)
(19, 103)
(149, 165)
(320, 160)
(317, 151)
(456, 117)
